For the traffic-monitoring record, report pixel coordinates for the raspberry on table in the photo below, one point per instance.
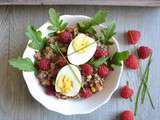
(101, 53)
(144, 52)
(103, 70)
(132, 62)
(127, 115)
(126, 92)
(133, 36)
(44, 64)
(87, 69)
(65, 37)
(86, 92)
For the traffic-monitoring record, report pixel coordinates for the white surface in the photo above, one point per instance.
(70, 107)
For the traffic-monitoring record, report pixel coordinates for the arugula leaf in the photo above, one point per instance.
(36, 37)
(107, 34)
(117, 58)
(24, 64)
(57, 23)
(87, 26)
(96, 63)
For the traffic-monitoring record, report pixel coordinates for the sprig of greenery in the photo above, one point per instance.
(117, 58)
(37, 42)
(56, 23)
(145, 86)
(24, 64)
(97, 62)
(146, 79)
(107, 34)
(87, 26)
(56, 47)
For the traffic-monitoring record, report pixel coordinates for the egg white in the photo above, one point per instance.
(81, 58)
(76, 82)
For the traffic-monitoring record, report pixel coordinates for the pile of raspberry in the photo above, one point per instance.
(88, 70)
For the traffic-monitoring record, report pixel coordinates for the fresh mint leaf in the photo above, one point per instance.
(37, 42)
(24, 64)
(97, 62)
(99, 18)
(84, 26)
(87, 26)
(107, 34)
(117, 58)
(56, 23)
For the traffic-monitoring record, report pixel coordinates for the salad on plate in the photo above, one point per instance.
(73, 61)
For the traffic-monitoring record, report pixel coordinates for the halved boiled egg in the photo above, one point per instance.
(81, 49)
(68, 81)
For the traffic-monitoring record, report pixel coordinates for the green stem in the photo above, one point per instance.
(150, 99)
(83, 48)
(137, 98)
(145, 87)
(139, 90)
(146, 79)
(70, 67)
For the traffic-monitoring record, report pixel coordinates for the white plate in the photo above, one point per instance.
(70, 107)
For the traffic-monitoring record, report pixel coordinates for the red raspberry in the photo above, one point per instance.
(126, 92)
(132, 62)
(86, 69)
(133, 36)
(85, 93)
(100, 53)
(144, 52)
(127, 115)
(103, 70)
(65, 37)
(62, 62)
(44, 64)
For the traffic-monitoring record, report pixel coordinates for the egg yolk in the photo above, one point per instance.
(65, 84)
(80, 44)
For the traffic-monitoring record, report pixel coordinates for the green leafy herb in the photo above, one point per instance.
(96, 63)
(56, 23)
(37, 42)
(146, 78)
(99, 17)
(107, 34)
(144, 85)
(117, 58)
(24, 64)
(87, 26)
(54, 48)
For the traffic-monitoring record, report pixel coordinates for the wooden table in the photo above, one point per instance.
(16, 102)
